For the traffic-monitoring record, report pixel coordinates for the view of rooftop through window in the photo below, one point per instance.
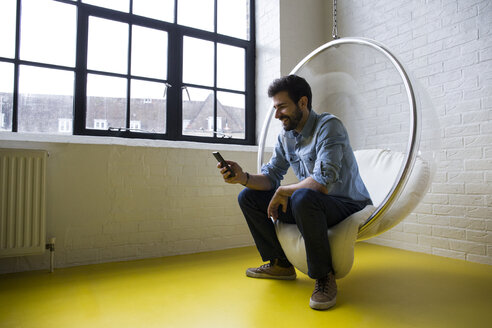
(129, 72)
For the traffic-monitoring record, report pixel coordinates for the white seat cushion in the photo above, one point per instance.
(379, 169)
(341, 236)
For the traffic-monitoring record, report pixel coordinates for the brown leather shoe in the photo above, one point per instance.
(325, 293)
(272, 271)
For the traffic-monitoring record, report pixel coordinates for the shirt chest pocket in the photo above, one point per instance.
(296, 164)
(308, 160)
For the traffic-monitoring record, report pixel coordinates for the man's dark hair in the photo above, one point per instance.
(296, 87)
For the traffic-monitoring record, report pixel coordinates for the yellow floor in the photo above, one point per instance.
(386, 288)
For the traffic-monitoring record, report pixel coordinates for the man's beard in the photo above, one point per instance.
(292, 121)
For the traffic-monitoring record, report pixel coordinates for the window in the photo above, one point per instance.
(159, 69)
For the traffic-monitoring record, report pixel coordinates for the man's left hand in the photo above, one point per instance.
(279, 198)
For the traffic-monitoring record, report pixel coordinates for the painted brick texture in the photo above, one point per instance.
(447, 45)
(113, 203)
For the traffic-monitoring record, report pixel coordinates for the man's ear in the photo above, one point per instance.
(302, 103)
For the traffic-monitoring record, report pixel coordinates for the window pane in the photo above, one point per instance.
(231, 109)
(157, 9)
(148, 106)
(45, 96)
(7, 28)
(198, 112)
(230, 67)
(6, 95)
(107, 46)
(196, 13)
(121, 5)
(106, 102)
(198, 61)
(48, 32)
(149, 52)
(233, 18)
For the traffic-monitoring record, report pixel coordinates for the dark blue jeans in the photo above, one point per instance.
(312, 211)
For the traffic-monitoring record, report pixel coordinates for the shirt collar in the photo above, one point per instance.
(307, 130)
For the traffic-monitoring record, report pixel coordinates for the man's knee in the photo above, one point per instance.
(303, 198)
(243, 195)
(247, 196)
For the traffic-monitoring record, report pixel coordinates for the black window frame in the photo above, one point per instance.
(176, 33)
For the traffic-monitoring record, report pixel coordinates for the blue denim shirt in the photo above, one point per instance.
(321, 151)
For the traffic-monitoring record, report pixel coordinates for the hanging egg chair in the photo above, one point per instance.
(392, 128)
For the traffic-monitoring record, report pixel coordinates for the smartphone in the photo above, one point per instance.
(222, 161)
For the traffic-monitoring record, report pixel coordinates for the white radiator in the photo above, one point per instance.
(22, 202)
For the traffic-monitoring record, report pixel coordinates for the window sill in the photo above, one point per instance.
(70, 139)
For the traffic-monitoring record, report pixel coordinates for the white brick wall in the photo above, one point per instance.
(111, 203)
(448, 46)
(267, 54)
(281, 44)
(298, 39)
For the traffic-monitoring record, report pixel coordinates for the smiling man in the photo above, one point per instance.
(329, 189)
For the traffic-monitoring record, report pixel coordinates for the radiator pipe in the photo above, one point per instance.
(51, 247)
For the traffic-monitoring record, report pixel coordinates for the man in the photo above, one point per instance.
(329, 189)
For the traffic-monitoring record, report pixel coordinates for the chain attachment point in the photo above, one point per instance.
(335, 27)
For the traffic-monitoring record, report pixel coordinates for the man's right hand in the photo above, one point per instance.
(239, 177)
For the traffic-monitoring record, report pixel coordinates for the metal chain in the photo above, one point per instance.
(334, 33)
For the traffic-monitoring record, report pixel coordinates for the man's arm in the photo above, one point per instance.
(257, 182)
(281, 196)
(308, 183)
(252, 181)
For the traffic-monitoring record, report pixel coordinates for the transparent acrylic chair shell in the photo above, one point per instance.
(398, 202)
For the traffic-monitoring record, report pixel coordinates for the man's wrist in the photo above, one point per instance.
(246, 180)
(285, 191)
(281, 190)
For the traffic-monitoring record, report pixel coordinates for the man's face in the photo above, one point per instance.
(286, 111)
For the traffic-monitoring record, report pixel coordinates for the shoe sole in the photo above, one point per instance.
(269, 276)
(322, 305)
